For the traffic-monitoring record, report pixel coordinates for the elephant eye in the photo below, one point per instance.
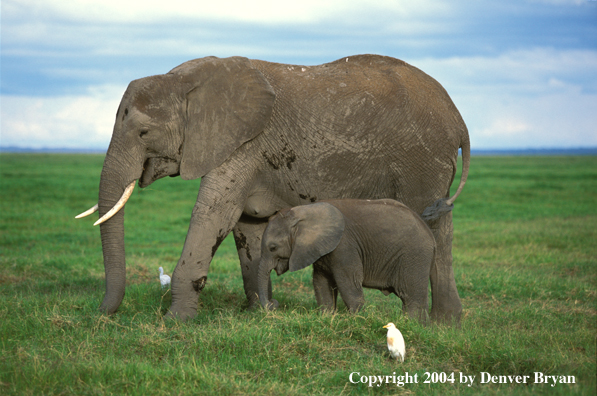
(273, 248)
(143, 132)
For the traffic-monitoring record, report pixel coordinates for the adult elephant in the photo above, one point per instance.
(265, 136)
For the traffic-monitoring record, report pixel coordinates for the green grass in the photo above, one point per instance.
(524, 261)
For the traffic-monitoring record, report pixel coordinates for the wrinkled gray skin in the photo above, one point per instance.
(379, 244)
(265, 136)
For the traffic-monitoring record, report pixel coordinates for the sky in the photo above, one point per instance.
(523, 73)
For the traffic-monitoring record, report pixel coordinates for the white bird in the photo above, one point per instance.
(164, 279)
(396, 344)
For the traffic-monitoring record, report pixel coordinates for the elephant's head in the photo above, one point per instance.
(186, 122)
(296, 238)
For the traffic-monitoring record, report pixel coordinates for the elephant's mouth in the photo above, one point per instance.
(156, 168)
(153, 169)
(281, 267)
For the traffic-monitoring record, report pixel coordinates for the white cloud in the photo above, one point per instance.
(261, 11)
(529, 97)
(84, 121)
(559, 119)
(258, 28)
(560, 2)
(528, 70)
(517, 99)
(536, 98)
(505, 128)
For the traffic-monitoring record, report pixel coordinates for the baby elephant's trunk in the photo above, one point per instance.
(263, 277)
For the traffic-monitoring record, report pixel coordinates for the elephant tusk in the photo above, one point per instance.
(87, 212)
(125, 196)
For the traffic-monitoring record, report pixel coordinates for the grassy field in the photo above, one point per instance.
(524, 260)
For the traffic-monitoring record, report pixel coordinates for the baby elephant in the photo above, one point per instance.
(378, 244)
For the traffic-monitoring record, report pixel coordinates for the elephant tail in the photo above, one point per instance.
(445, 205)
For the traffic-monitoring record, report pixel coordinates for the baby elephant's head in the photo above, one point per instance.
(276, 244)
(296, 238)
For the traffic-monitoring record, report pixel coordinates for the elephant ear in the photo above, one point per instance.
(318, 230)
(228, 102)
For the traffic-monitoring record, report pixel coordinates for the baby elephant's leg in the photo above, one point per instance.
(416, 307)
(326, 291)
(352, 295)
(415, 288)
(348, 274)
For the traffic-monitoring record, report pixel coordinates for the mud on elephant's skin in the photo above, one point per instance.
(379, 244)
(266, 136)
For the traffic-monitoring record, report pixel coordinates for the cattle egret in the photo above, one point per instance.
(395, 342)
(164, 279)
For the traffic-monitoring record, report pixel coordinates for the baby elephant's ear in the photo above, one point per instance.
(318, 230)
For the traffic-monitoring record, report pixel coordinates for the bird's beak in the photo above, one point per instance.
(386, 326)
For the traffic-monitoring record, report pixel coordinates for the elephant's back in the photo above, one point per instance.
(386, 232)
(357, 97)
(388, 215)
(365, 126)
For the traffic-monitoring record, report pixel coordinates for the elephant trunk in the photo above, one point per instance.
(263, 278)
(112, 187)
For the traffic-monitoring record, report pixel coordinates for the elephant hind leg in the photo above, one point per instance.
(446, 306)
(414, 296)
(416, 308)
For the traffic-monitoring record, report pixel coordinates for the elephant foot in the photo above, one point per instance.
(446, 316)
(181, 313)
(181, 316)
(271, 305)
(253, 306)
(107, 310)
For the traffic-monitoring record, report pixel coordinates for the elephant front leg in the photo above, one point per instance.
(247, 236)
(445, 301)
(217, 210)
(352, 294)
(326, 291)
(190, 275)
